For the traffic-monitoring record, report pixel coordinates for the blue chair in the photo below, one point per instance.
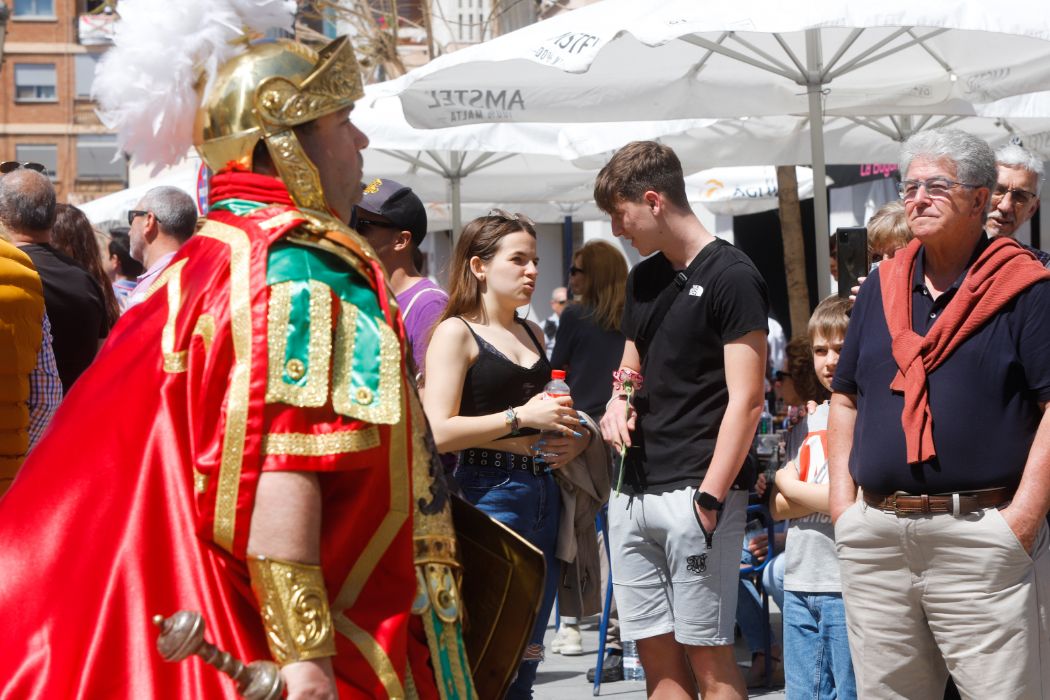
(762, 513)
(603, 525)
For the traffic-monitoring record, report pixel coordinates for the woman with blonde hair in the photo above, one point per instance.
(485, 372)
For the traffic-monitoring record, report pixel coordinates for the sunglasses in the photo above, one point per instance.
(134, 214)
(780, 375)
(9, 166)
(359, 222)
(575, 270)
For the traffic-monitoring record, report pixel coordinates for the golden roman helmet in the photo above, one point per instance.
(263, 94)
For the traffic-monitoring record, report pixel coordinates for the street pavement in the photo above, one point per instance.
(564, 677)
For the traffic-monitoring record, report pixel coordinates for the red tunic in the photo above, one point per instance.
(138, 500)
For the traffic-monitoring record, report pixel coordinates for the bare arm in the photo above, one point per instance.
(745, 362)
(798, 497)
(286, 524)
(841, 421)
(616, 428)
(452, 348)
(1027, 511)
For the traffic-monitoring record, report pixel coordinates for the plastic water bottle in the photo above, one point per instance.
(632, 667)
(765, 422)
(555, 387)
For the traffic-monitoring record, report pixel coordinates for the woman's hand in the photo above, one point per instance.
(550, 413)
(558, 450)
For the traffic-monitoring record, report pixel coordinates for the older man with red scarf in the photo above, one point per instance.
(938, 415)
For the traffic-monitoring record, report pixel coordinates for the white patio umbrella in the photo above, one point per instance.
(630, 60)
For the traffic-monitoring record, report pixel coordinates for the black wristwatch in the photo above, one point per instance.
(707, 501)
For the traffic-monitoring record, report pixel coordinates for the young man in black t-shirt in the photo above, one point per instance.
(695, 322)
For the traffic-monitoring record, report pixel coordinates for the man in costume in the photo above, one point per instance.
(273, 471)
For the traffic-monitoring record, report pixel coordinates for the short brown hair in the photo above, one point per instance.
(830, 319)
(635, 169)
(888, 228)
(799, 354)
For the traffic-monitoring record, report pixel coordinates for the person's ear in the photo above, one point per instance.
(654, 200)
(477, 268)
(402, 240)
(980, 201)
(150, 227)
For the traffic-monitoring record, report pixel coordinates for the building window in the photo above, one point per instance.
(35, 82)
(34, 8)
(95, 158)
(43, 153)
(85, 73)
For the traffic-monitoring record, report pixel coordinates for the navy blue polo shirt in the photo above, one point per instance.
(984, 398)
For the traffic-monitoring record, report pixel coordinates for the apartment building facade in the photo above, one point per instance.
(46, 114)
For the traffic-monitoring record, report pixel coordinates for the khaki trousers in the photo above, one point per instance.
(931, 594)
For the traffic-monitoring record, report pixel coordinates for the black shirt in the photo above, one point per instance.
(983, 398)
(589, 354)
(684, 396)
(76, 307)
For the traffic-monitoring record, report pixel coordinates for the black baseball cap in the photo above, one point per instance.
(398, 203)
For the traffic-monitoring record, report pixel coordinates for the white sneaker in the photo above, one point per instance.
(568, 641)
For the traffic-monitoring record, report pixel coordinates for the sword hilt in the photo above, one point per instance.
(182, 636)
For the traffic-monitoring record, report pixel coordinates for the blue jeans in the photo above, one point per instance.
(817, 663)
(530, 505)
(749, 615)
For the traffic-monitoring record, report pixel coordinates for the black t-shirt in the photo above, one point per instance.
(684, 397)
(984, 398)
(589, 354)
(76, 307)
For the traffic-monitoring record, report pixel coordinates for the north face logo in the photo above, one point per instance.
(696, 290)
(697, 563)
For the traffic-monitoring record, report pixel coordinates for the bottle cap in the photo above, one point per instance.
(557, 374)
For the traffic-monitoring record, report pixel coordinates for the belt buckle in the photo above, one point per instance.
(893, 503)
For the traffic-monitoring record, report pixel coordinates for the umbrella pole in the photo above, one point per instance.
(457, 216)
(820, 189)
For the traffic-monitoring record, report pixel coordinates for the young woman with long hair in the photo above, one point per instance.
(74, 235)
(589, 343)
(485, 372)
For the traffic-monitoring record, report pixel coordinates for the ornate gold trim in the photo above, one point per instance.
(321, 444)
(240, 377)
(200, 481)
(297, 171)
(174, 361)
(282, 219)
(386, 409)
(374, 654)
(293, 603)
(318, 366)
(205, 328)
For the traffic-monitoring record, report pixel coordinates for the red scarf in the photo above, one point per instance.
(235, 184)
(1002, 271)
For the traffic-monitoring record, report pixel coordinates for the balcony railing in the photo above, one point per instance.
(96, 29)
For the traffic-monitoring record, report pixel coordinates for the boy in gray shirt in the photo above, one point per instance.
(817, 661)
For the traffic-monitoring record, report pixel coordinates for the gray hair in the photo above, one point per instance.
(27, 201)
(1013, 156)
(973, 158)
(175, 211)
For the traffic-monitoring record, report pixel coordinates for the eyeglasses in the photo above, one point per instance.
(936, 187)
(560, 302)
(575, 270)
(9, 166)
(1018, 197)
(134, 214)
(359, 222)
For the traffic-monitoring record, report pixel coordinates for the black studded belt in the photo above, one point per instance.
(500, 460)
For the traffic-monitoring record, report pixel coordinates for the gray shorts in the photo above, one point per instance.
(665, 577)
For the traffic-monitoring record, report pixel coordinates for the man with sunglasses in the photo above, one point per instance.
(1015, 198)
(393, 220)
(164, 219)
(938, 415)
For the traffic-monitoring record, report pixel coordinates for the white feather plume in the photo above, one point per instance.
(144, 85)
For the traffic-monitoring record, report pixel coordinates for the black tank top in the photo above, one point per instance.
(495, 382)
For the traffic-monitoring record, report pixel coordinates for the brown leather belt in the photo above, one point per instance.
(954, 503)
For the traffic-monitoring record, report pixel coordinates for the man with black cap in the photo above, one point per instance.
(392, 218)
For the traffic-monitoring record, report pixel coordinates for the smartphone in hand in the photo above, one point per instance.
(852, 257)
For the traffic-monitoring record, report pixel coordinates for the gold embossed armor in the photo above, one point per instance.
(293, 603)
